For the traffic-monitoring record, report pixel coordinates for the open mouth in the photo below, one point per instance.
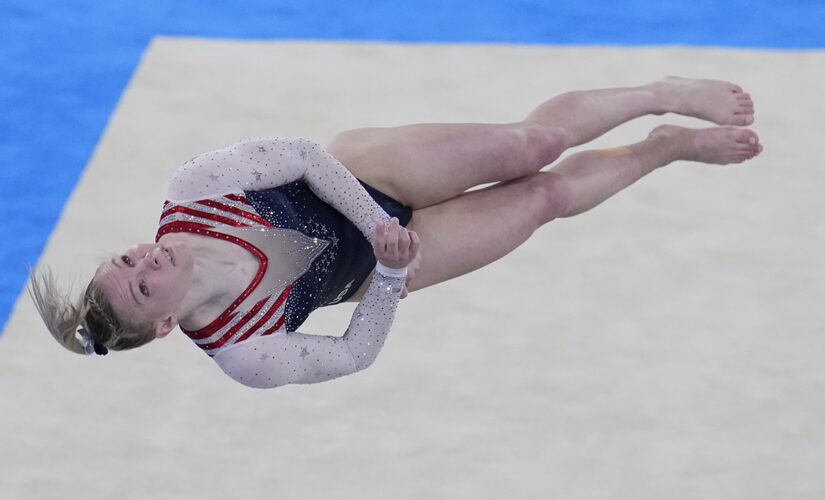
(169, 255)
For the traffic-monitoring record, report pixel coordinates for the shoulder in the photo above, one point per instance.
(246, 165)
(213, 173)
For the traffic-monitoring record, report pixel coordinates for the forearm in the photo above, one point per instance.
(297, 358)
(373, 318)
(331, 181)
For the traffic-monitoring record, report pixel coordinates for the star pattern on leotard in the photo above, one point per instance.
(261, 149)
(304, 352)
(304, 155)
(257, 175)
(265, 356)
(214, 177)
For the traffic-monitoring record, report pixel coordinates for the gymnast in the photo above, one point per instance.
(257, 235)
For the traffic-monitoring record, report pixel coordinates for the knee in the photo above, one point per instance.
(344, 146)
(353, 147)
(552, 196)
(541, 143)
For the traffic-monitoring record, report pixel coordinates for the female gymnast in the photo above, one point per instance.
(257, 235)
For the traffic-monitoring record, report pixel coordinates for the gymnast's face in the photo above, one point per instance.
(146, 283)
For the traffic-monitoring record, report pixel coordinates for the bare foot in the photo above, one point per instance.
(717, 145)
(717, 101)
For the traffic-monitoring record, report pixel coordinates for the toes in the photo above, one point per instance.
(747, 137)
(744, 109)
(748, 150)
(742, 118)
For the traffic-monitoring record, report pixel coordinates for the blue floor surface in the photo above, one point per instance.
(65, 63)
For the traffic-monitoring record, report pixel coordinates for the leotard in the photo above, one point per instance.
(309, 223)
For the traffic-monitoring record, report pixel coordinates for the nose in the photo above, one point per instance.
(152, 259)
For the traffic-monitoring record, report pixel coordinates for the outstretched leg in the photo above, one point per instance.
(468, 232)
(425, 164)
(586, 115)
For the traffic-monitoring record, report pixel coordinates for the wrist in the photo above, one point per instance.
(391, 272)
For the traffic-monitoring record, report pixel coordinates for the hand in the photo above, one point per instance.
(393, 245)
(412, 270)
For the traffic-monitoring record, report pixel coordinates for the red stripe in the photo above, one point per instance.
(275, 327)
(204, 215)
(257, 325)
(237, 211)
(232, 331)
(210, 329)
(238, 198)
(165, 204)
(181, 227)
(275, 306)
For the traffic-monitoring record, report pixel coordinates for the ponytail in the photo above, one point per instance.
(86, 324)
(63, 316)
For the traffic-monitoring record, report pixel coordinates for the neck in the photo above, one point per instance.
(209, 285)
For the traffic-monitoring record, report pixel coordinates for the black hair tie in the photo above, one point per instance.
(101, 349)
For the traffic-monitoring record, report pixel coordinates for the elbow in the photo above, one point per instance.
(258, 383)
(363, 361)
(253, 379)
(364, 353)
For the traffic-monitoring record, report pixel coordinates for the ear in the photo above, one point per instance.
(165, 326)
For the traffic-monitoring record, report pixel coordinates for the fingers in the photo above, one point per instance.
(394, 246)
(379, 239)
(393, 238)
(414, 243)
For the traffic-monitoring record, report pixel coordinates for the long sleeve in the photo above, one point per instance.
(297, 358)
(259, 164)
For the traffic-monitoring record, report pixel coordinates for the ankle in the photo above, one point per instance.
(663, 148)
(659, 95)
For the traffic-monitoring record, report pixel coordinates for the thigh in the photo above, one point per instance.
(425, 164)
(476, 228)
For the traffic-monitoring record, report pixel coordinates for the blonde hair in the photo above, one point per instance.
(90, 312)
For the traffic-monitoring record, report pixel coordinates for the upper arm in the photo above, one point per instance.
(286, 358)
(248, 165)
(258, 164)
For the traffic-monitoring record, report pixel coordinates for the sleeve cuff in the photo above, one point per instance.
(390, 272)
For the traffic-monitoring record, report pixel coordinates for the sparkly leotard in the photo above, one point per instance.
(308, 222)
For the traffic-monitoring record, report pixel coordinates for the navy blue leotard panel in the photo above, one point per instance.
(344, 265)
